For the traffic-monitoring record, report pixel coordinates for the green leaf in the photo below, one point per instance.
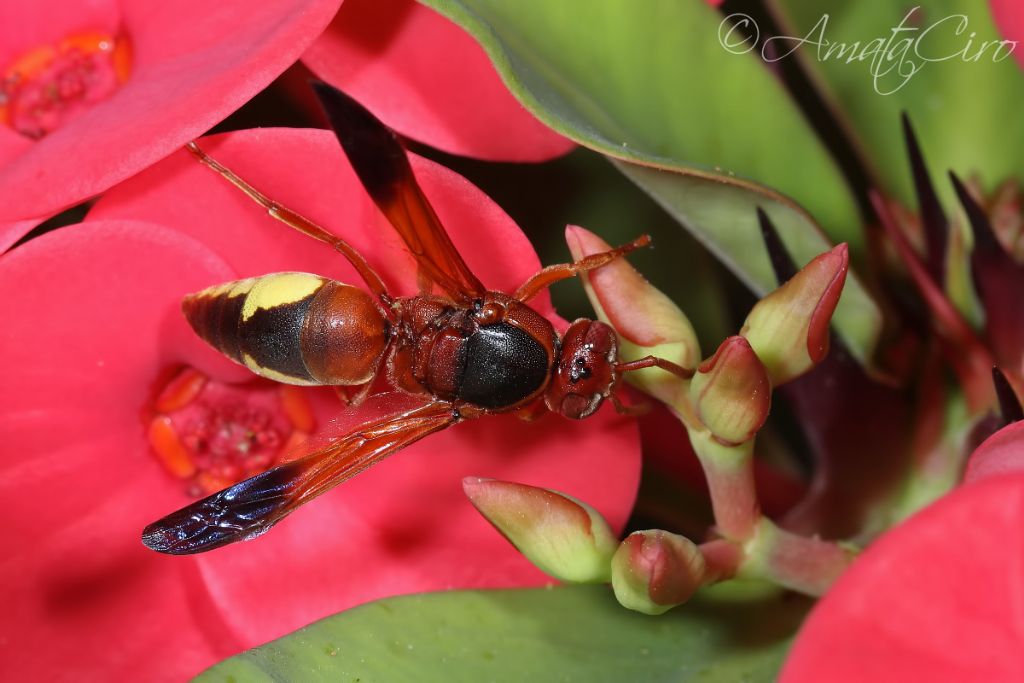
(576, 633)
(651, 85)
(966, 113)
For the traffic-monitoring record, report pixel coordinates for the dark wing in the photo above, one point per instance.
(383, 167)
(251, 507)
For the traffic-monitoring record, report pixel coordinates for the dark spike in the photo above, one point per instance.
(985, 241)
(782, 262)
(1009, 406)
(933, 219)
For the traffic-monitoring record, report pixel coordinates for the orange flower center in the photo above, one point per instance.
(51, 84)
(211, 435)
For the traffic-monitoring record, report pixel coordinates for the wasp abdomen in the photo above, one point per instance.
(296, 328)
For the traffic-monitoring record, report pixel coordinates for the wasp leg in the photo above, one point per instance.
(531, 412)
(298, 222)
(353, 396)
(654, 362)
(552, 274)
(635, 410)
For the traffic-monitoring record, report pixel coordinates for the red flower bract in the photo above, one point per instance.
(91, 320)
(937, 598)
(1001, 453)
(192, 63)
(428, 79)
(1009, 17)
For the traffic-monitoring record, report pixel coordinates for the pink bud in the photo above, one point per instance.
(562, 536)
(788, 328)
(731, 392)
(654, 570)
(647, 321)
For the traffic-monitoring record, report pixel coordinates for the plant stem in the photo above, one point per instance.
(730, 474)
(806, 565)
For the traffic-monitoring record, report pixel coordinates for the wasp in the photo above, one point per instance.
(463, 350)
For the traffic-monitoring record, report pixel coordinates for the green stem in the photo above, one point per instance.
(730, 475)
(722, 559)
(806, 565)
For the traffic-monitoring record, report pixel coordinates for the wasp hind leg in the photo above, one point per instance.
(353, 396)
(297, 221)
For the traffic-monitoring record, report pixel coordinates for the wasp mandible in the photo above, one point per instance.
(466, 352)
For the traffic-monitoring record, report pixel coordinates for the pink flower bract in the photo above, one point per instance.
(1009, 18)
(428, 79)
(937, 598)
(1001, 453)
(93, 318)
(193, 63)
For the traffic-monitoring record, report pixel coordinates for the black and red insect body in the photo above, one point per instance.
(466, 351)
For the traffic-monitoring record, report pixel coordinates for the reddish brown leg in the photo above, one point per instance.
(552, 274)
(635, 410)
(298, 222)
(654, 362)
(354, 396)
(532, 411)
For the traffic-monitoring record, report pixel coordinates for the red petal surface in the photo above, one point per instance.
(405, 526)
(429, 80)
(194, 63)
(1001, 453)
(306, 170)
(938, 598)
(90, 319)
(1009, 18)
(99, 320)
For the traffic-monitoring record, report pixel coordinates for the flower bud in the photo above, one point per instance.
(653, 571)
(788, 328)
(731, 392)
(647, 321)
(560, 535)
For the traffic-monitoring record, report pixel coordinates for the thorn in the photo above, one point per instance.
(782, 262)
(933, 219)
(969, 356)
(984, 237)
(1009, 406)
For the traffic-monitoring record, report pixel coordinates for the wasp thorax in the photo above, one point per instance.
(585, 374)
